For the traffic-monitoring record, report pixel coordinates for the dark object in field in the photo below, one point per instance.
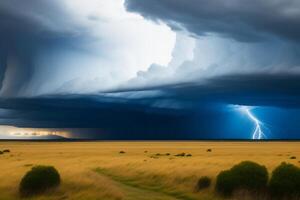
(293, 157)
(154, 156)
(122, 152)
(203, 182)
(188, 155)
(166, 154)
(6, 151)
(1, 152)
(209, 150)
(38, 180)
(180, 154)
(145, 151)
(285, 181)
(246, 175)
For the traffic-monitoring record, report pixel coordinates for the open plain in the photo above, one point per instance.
(141, 170)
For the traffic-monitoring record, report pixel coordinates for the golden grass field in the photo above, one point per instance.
(96, 170)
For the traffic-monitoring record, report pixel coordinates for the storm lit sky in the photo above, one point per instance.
(150, 69)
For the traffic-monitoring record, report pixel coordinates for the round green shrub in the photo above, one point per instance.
(250, 175)
(225, 183)
(285, 181)
(246, 175)
(38, 180)
(203, 182)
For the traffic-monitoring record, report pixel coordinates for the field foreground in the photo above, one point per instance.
(145, 171)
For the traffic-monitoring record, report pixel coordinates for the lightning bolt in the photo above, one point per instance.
(258, 133)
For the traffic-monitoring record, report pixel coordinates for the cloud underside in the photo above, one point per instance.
(149, 109)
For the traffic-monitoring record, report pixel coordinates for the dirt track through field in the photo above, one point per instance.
(134, 191)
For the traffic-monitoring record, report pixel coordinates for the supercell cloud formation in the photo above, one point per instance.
(151, 69)
(75, 46)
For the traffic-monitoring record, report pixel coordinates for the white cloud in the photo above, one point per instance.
(121, 44)
(199, 59)
(76, 46)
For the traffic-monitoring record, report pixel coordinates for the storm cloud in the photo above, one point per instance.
(246, 21)
(181, 111)
(72, 46)
(27, 29)
(151, 69)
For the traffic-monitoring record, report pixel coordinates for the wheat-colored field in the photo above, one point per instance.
(97, 170)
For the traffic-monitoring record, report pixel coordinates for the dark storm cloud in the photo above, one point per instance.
(27, 29)
(255, 89)
(281, 90)
(32, 16)
(242, 20)
(94, 116)
(201, 107)
(193, 102)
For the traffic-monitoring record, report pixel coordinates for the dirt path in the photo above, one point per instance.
(134, 192)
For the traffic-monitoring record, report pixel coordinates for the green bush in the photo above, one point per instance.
(203, 182)
(225, 183)
(285, 181)
(38, 180)
(246, 175)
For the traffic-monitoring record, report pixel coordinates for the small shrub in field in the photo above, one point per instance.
(6, 151)
(203, 182)
(293, 157)
(188, 155)
(121, 152)
(38, 180)
(1, 152)
(246, 175)
(209, 150)
(285, 181)
(180, 154)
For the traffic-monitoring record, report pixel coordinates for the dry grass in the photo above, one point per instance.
(96, 170)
